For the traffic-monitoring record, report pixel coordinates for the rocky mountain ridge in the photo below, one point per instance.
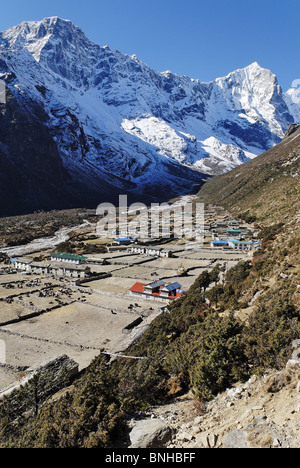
(83, 123)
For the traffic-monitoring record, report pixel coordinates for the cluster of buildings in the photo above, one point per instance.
(235, 244)
(229, 234)
(158, 290)
(219, 231)
(61, 265)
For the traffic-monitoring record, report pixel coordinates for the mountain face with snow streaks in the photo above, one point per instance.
(83, 123)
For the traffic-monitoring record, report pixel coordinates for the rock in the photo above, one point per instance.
(235, 392)
(296, 354)
(292, 363)
(261, 433)
(184, 436)
(283, 275)
(150, 433)
(276, 382)
(198, 420)
(196, 429)
(236, 439)
(212, 440)
(295, 359)
(276, 443)
(186, 426)
(293, 127)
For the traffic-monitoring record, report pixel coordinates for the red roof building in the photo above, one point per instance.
(157, 290)
(138, 288)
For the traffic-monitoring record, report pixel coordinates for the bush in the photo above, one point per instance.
(268, 233)
(85, 418)
(271, 329)
(222, 360)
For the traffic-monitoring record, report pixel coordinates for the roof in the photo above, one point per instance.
(58, 265)
(22, 260)
(156, 284)
(240, 242)
(68, 256)
(172, 286)
(40, 265)
(138, 287)
(220, 242)
(127, 239)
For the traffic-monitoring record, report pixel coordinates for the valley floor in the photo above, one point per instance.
(43, 317)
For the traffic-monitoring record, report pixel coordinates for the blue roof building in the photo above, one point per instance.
(219, 243)
(124, 240)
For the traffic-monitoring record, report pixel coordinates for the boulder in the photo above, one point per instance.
(295, 359)
(150, 433)
(236, 439)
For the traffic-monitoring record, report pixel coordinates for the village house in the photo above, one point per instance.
(59, 269)
(234, 232)
(219, 243)
(170, 291)
(70, 271)
(137, 249)
(150, 251)
(157, 291)
(68, 258)
(123, 241)
(233, 224)
(39, 268)
(236, 244)
(202, 228)
(22, 264)
(153, 251)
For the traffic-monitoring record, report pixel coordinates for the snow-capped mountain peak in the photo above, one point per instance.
(32, 35)
(113, 118)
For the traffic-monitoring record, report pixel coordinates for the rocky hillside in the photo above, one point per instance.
(266, 188)
(263, 411)
(260, 413)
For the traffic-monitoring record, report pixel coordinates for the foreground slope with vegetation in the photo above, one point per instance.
(219, 334)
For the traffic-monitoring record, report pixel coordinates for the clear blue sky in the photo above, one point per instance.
(202, 39)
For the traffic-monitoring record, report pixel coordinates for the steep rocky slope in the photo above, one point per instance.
(261, 413)
(267, 187)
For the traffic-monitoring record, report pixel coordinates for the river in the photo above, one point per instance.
(45, 243)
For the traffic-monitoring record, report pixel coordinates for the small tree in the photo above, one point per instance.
(215, 274)
(215, 294)
(204, 280)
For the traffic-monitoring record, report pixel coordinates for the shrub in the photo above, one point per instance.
(222, 360)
